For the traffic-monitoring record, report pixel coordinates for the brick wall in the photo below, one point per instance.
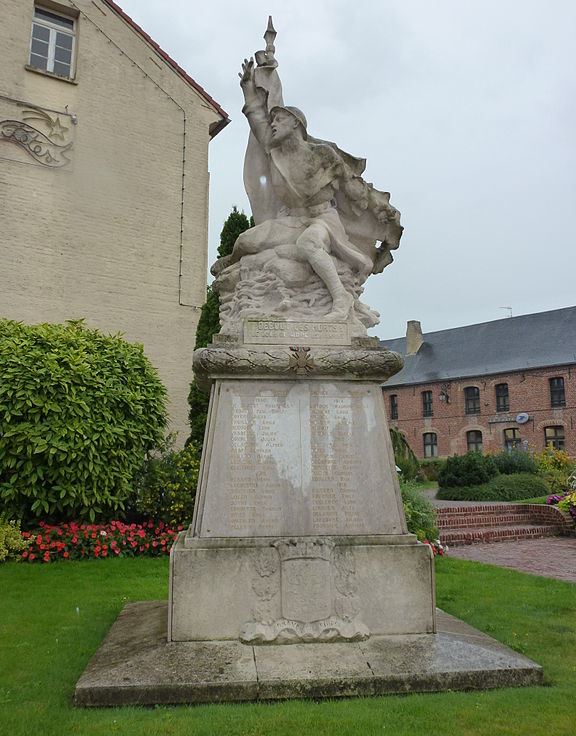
(119, 236)
(529, 392)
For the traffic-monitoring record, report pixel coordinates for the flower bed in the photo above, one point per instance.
(565, 502)
(75, 541)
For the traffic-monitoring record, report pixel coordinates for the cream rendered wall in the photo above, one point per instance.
(101, 237)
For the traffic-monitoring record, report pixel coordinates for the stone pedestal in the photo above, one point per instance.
(298, 538)
(307, 589)
(298, 532)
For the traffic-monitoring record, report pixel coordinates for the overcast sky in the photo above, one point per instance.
(464, 109)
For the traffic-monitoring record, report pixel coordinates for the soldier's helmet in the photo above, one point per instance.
(296, 113)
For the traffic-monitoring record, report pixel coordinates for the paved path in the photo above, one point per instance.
(553, 557)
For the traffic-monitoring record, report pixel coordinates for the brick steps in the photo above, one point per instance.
(482, 523)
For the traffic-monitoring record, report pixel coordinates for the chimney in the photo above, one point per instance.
(414, 337)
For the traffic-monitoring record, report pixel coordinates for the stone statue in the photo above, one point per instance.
(316, 219)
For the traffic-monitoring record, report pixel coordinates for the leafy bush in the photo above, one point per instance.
(165, 488)
(556, 480)
(74, 541)
(555, 466)
(78, 412)
(467, 470)
(431, 468)
(11, 541)
(551, 459)
(515, 461)
(499, 488)
(404, 456)
(420, 513)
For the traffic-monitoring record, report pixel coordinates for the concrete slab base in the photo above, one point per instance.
(135, 665)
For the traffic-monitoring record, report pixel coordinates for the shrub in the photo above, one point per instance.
(404, 456)
(551, 459)
(11, 541)
(499, 488)
(431, 468)
(420, 513)
(78, 412)
(515, 461)
(555, 466)
(467, 470)
(556, 480)
(165, 488)
(50, 542)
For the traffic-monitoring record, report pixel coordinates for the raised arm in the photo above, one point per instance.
(254, 105)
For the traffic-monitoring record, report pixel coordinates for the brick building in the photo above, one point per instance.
(492, 386)
(103, 181)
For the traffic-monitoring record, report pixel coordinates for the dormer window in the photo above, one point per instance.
(52, 43)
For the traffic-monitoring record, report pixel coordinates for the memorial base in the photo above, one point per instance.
(136, 666)
(298, 533)
(298, 538)
(300, 589)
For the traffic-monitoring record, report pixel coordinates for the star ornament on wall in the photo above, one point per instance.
(53, 125)
(57, 130)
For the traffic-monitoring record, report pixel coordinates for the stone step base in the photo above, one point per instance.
(149, 671)
(461, 536)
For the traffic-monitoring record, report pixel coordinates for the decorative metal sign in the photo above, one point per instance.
(38, 145)
(45, 136)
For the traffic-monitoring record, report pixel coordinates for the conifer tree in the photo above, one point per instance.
(209, 324)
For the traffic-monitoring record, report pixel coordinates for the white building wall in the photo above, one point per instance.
(119, 235)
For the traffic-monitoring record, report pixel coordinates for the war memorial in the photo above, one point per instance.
(297, 576)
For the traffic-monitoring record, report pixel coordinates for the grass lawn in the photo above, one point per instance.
(53, 617)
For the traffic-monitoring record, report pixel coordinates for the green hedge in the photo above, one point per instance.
(500, 488)
(79, 410)
(470, 469)
(515, 461)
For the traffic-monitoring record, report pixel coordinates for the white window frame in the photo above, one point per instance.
(54, 28)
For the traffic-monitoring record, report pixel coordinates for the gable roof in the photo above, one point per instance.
(537, 340)
(215, 128)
